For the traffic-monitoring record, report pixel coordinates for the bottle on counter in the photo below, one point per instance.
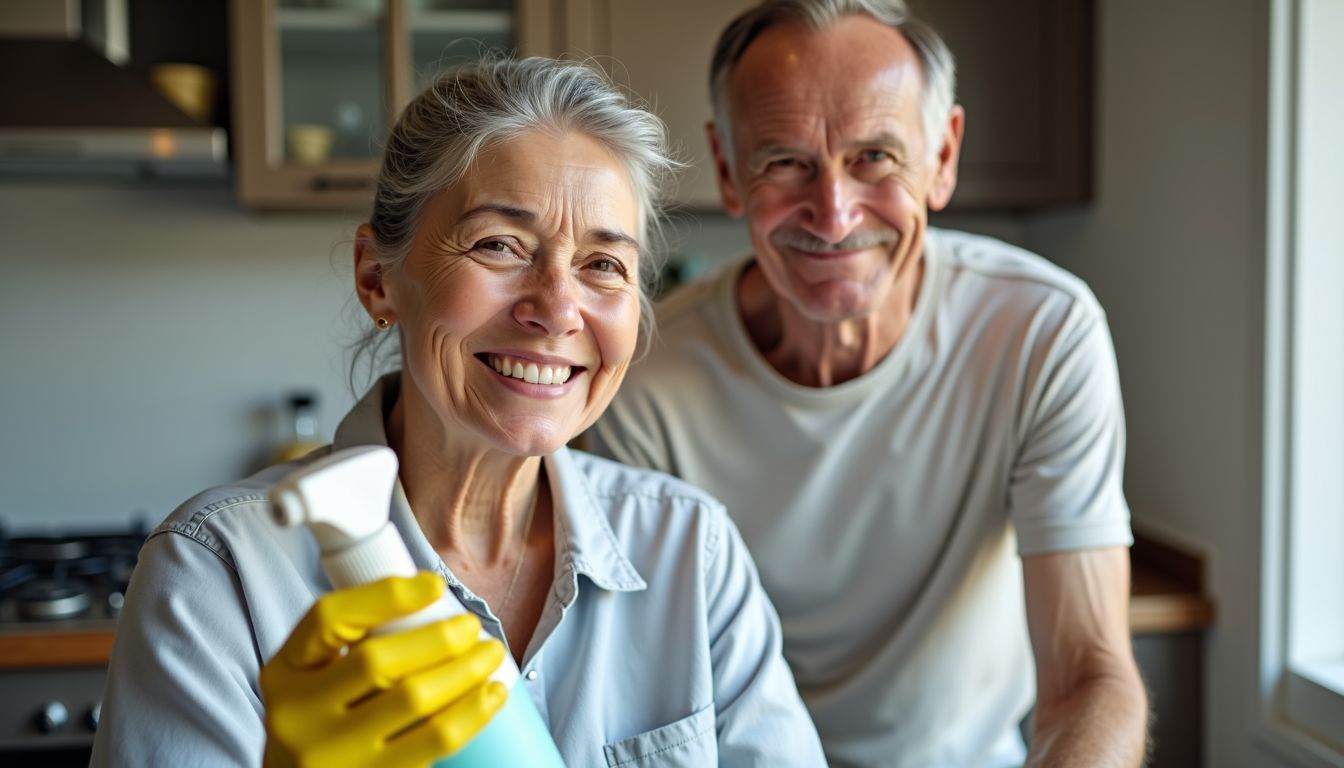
(301, 427)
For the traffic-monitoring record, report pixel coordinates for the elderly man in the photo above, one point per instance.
(918, 432)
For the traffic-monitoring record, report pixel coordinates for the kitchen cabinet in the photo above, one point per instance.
(661, 51)
(1024, 77)
(316, 84)
(346, 66)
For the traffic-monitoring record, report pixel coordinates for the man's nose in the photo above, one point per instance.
(549, 304)
(834, 208)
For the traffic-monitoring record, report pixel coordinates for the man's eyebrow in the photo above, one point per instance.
(508, 211)
(770, 150)
(882, 139)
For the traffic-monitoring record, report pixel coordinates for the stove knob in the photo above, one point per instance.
(91, 717)
(53, 717)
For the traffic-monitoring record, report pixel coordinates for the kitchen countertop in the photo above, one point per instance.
(1167, 595)
(1167, 588)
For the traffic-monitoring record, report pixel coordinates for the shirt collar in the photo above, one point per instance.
(584, 539)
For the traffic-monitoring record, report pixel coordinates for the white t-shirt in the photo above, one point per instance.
(879, 510)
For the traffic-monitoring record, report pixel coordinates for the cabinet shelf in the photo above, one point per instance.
(462, 22)
(324, 19)
(342, 20)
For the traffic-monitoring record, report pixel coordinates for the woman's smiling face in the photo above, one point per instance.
(519, 298)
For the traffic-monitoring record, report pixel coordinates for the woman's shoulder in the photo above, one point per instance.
(612, 479)
(651, 511)
(234, 518)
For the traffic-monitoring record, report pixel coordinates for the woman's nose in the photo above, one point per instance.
(550, 306)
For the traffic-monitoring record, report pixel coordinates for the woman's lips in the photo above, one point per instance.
(529, 371)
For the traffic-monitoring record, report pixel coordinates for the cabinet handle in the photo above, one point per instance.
(322, 183)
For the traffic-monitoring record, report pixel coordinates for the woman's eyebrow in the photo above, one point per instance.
(521, 215)
(614, 237)
(524, 216)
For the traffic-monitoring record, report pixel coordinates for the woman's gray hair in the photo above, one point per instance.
(443, 130)
(939, 68)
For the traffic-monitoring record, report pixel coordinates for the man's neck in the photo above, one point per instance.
(824, 354)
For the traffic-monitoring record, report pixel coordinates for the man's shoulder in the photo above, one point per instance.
(692, 302)
(1008, 269)
(691, 334)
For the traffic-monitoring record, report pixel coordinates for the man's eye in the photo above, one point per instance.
(874, 156)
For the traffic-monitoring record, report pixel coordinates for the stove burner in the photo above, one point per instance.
(49, 599)
(51, 550)
(69, 575)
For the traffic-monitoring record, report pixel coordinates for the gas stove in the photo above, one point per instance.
(65, 578)
(60, 595)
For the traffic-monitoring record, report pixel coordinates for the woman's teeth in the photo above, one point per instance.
(530, 372)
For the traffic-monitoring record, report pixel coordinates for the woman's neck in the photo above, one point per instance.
(472, 502)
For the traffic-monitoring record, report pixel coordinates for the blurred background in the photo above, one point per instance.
(180, 181)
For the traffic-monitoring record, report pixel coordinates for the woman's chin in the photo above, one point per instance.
(529, 440)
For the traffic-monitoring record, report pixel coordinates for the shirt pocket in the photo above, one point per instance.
(689, 741)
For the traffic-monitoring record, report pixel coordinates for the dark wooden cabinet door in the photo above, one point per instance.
(1024, 76)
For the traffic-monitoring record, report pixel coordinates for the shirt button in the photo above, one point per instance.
(531, 674)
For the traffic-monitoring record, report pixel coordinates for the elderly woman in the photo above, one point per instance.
(505, 252)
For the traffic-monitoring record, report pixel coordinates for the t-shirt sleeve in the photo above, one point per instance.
(631, 432)
(1066, 491)
(181, 686)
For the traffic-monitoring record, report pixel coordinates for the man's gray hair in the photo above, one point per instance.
(936, 62)
(466, 111)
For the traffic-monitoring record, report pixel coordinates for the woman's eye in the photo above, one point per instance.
(607, 265)
(493, 246)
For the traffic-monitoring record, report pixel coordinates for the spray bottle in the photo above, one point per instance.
(343, 498)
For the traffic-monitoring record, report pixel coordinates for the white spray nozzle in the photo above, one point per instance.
(342, 497)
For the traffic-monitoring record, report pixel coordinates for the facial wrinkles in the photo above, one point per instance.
(554, 281)
(488, 504)
(617, 298)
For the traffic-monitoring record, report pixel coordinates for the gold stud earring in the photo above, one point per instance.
(382, 323)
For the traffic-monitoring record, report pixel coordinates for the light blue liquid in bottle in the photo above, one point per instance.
(515, 737)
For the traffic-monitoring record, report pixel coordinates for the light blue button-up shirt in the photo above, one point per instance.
(656, 645)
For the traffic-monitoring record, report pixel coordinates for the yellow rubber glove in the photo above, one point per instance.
(336, 697)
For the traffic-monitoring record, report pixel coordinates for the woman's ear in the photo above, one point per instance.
(369, 277)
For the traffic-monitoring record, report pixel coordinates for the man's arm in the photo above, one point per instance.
(1091, 709)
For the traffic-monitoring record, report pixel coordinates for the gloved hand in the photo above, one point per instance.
(335, 697)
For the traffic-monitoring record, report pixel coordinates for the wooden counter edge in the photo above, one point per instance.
(62, 648)
(1167, 591)
(1167, 596)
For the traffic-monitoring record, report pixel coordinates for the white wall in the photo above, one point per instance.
(148, 334)
(1174, 246)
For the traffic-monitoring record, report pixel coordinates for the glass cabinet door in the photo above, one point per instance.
(316, 84)
(333, 80)
(448, 33)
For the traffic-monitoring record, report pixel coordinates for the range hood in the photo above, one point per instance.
(66, 109)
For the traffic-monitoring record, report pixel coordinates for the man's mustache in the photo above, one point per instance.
(854, 241)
